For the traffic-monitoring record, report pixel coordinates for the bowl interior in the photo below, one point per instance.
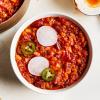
(13, 51)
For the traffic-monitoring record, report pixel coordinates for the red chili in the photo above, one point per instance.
(69, 62)
(8, 8)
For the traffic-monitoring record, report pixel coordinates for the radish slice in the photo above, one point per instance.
(47, 36)
(37, 65)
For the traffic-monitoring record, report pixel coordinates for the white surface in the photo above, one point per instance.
(89, 88)
(44, 32)
(40, 63)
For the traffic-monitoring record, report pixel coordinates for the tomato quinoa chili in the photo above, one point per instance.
(8, 8)
(68, 61)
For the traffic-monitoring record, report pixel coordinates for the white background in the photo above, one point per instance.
(87, 89)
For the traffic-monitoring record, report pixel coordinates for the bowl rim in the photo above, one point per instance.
(13, 51)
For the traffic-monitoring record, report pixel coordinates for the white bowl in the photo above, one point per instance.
(13, 51)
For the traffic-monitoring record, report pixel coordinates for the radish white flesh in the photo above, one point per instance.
(37, 65)
(47, 36)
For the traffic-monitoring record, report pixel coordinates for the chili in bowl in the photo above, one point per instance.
(51, 53)
(11, 11)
